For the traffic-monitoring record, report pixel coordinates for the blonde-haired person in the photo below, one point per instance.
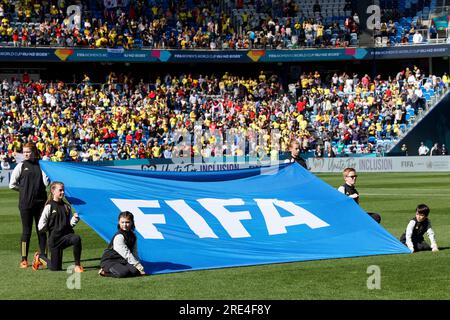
(349, 189)
(58, 221)
(295, 154)
(31, 182)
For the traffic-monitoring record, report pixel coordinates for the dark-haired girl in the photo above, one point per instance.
(120, 259)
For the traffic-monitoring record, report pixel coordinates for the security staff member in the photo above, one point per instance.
(29, 179)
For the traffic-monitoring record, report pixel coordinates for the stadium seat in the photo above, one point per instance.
(408, 116)
(372, 140)
(402, 127)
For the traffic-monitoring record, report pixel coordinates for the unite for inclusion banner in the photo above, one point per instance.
(202, 220)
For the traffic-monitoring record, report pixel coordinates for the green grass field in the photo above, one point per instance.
(423, 275)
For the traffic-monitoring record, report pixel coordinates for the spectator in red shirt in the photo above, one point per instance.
(129, 137)
(138, 135)
(25, 77)
(301, 105)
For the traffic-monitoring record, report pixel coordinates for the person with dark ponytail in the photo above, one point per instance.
(121, 259)
(31, 182)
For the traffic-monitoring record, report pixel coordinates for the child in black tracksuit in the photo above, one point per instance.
(56, 219)
(416, 229)
(120, 259)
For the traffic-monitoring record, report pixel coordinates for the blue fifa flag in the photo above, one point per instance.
(203, 220)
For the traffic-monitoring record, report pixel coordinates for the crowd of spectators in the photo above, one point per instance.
(127, 118)
(201, 24)
(406, 31)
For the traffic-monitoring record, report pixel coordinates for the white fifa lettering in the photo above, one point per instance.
(197, 224)
(144, 222)
(277, 224)
(231, 221)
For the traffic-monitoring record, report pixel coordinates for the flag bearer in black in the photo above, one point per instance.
(417, 227)
(121, 259)
(28, 178)
(348, 188)
(57, 219)
(295, 154)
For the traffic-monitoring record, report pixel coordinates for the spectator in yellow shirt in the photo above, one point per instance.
(156, 150)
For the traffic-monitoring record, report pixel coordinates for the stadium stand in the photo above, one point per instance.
(402, 19)
(124, 119)
(127, 118)
(215, 24)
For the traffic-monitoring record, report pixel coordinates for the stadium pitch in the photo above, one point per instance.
(394, 195)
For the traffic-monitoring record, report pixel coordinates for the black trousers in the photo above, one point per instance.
(27, 216)
(56, 251)
(418, 245)
(375, 216)
(119, 270)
